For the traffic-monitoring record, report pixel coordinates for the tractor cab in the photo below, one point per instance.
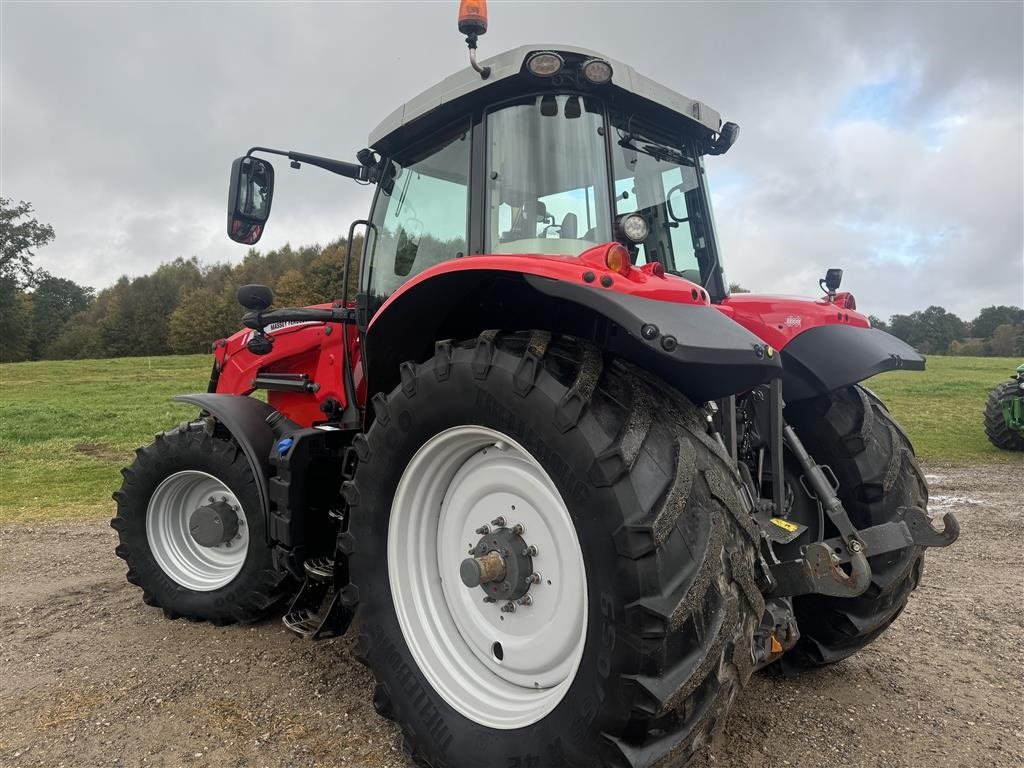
(560, 149)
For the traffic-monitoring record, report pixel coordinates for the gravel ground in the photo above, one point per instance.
(91, 676)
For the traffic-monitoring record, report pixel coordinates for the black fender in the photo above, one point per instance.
(695, 348)
(246, 419)
(830, 357)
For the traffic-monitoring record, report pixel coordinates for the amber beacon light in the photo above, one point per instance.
(473, 17)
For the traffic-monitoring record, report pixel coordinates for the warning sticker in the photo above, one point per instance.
(784, 524)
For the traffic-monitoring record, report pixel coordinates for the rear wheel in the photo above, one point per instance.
(552, 562)
(851, 431)
(996, 428)
(192, 531)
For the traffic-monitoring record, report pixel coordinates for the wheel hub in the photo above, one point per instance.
(501, 564)
(213, 524)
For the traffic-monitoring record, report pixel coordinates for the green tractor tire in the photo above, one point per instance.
(1004, 416)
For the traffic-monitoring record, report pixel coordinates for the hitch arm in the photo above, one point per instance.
(839, 566)
(813, 573)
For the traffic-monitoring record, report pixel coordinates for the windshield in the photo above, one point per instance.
(659, 179)
(547, 176)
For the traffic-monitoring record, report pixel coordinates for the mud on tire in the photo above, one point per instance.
(668, 548)
(851, 431)
(258, 587)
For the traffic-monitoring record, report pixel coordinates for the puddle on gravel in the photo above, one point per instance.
(941, 501)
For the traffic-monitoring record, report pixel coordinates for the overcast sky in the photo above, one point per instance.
(884, 138)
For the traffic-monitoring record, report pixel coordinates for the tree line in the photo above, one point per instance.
(184, 305)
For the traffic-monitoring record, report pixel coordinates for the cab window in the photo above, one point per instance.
(547, 176)
(420, 214)
(658, 179)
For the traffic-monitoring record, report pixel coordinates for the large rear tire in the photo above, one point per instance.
(180, 471)
(617, 472)
(996, 428)
(851, 431)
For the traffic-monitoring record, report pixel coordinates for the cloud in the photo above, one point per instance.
(885, 138)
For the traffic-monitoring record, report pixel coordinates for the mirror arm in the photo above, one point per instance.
(340, 167)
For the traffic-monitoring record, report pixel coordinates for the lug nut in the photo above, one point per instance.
(525, 600)
(483, 530)
(489, 599)
(518, 529)
(508, 607)
(498, 522)
(533, 578)
(530, 551)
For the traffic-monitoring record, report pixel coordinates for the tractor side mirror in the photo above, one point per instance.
(249, 197)
(255, 298)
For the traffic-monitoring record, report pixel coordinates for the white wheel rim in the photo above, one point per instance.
(181, 557)
(458, 480)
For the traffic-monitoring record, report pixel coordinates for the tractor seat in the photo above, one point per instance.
(568, 230)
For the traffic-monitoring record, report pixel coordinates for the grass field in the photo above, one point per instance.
(67, 427)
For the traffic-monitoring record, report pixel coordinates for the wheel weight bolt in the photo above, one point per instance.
(498, 522)
(517, 529)
(483, 530)
(508, 607)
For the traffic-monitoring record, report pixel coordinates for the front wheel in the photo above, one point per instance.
(552, 562)
(192, 531)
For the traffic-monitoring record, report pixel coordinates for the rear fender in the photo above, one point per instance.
(246, 419)
(830, 357)
(687, 342)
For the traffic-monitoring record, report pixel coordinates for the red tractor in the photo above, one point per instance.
(563, 475)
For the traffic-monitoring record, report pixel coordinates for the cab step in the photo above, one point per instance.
(320, 569)
(319, 610)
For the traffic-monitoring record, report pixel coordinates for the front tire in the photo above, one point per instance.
(851, 431)
(996, 428)
(171, 477)
(666, 554)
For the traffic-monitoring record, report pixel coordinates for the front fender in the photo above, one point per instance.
(695, 348)
(830, 357)
(246, 419)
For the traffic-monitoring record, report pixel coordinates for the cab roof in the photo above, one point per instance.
(457, 94)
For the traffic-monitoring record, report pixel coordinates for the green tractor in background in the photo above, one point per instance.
(1004, 413)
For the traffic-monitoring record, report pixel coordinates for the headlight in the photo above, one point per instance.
(634, 227)
(545, 64)
(597, 71)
